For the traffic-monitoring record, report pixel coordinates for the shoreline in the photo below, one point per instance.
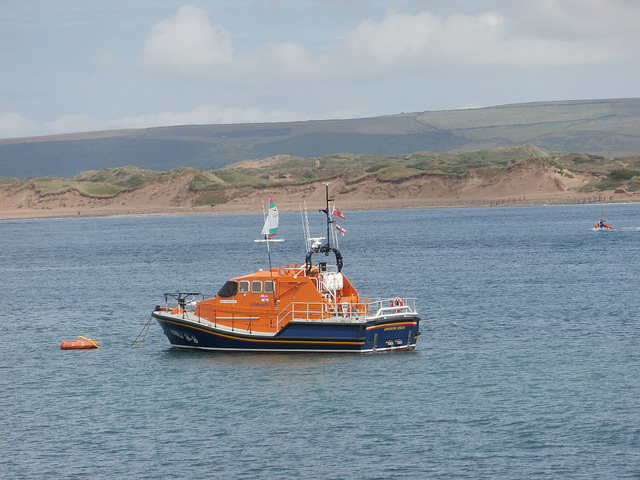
(603, 198)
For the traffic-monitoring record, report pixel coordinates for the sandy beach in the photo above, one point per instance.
(254, 205)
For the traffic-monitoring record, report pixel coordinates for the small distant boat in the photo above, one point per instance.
(271, 222)
(311, 307)
(601, 225)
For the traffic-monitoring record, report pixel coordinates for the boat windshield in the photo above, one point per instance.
(229, 289)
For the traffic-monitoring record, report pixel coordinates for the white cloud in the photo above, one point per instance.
(608, 19)
(187, 43)
(14, 125)
(289, 58)
(206, 114)
(214, 114)
(486, 39)
(399, 34)
(74, 123)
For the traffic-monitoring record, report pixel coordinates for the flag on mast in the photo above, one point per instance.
(337, 212)
(270, 228)
(340, 229)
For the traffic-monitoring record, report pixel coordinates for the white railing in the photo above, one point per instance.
(174, 307)
(392, 306)
(303, 311)
(319, 312)
(347, 312)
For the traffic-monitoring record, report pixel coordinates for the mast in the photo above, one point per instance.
(266, 230)
(326, 248)
(326, 211)
(270, 229)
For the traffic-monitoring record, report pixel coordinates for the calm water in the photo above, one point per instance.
(528, 366)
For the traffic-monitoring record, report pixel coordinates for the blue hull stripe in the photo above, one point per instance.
(244, 338)
(298, 336)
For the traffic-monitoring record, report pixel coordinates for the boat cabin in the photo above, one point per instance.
(266, 301)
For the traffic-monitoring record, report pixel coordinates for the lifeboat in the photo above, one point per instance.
(83, 343)
(311, 307)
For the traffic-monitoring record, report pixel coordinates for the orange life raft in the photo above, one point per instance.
(83, 343)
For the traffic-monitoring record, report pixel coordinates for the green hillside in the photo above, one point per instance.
(213, 186)
(601, 127)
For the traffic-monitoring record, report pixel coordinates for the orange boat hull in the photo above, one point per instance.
(79, 345)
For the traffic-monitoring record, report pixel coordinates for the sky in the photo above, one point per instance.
(82, 65)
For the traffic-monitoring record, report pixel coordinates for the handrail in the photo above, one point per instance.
(389, 306)
(393, 310)
(319, 311)
(302, 311)
(346, 311)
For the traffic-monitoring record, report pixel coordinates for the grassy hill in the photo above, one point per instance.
(600, 127)
(203, 187)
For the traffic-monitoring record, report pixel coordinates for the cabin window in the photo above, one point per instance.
(269, 287)
(244, 287)
(229, 289)
(256, 286)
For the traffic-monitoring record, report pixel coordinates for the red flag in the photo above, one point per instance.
(337, 213)
(340, 229)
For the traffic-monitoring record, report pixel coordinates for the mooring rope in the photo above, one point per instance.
(145, 329)
(95, 344)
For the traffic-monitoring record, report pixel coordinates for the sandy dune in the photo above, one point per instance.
(529, 183)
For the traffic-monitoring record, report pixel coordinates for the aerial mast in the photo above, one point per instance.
(326, 248)
(326, 211)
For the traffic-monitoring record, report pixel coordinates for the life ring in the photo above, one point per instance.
(397, 302)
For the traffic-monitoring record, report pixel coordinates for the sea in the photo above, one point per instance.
(527, 367)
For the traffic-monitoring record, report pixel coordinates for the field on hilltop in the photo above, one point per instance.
(608, 128)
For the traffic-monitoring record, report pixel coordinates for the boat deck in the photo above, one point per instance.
(299, 314)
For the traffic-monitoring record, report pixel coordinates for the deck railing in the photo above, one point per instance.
(321, 311)
(347, 312)
(187, 310)
(391, 306)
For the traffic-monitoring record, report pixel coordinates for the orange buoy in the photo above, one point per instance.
(83, 343)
